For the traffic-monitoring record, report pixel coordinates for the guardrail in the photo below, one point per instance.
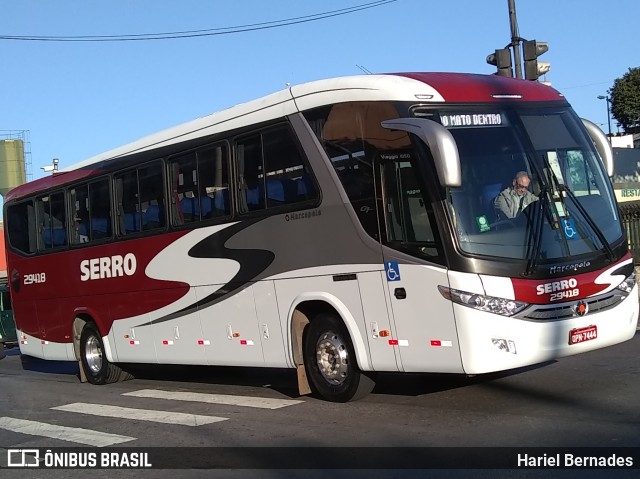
(630, 215)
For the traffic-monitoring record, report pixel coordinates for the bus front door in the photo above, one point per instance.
(424, 324)
(425, 329)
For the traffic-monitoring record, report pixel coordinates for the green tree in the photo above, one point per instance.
(625, 99)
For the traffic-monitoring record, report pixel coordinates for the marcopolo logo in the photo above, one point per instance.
(108, 267)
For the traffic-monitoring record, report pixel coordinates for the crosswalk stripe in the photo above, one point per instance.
(166, 417)
(71, 434)
(257, 402)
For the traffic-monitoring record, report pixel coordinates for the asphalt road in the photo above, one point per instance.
(590, 400)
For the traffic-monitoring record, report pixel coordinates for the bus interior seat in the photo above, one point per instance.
(59, 237)
(188, 205)
(282, 190)
(132, 221)
(153, 217)
(254, 198)
(304, 188)
(221, 202)
(100, 227)
(275, 190)
(489, 194)
(206, 205)
(279, 191)
(462, 212)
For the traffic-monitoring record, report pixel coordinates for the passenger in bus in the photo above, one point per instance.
(511, 201)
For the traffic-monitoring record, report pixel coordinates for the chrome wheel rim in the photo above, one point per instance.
(93, 354)
(332, 358)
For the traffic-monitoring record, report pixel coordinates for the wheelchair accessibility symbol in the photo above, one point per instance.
(393, 270)
(569, 228)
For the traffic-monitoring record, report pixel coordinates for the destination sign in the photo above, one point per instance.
(458, 120)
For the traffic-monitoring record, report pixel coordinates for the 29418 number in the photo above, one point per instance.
(35, 278)
(569, 293)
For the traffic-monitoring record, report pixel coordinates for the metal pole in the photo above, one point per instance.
(606, 98)
(515, 37)
(608, 117)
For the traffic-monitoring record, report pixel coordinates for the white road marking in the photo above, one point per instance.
(165, 417)
(71, 434)
(257, 402)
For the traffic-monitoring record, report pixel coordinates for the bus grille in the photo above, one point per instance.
(566, 310)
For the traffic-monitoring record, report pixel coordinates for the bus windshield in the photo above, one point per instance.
(560, 201)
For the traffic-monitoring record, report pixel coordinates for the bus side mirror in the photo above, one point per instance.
(601, 143)
(441, 143)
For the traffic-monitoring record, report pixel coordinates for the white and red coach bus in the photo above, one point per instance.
(340, 227)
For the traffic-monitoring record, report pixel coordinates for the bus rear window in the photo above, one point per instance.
(21, 227)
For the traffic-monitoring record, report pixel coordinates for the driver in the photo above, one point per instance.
(511, 201)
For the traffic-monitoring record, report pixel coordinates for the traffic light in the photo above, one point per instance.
(533, 69)
(502, 60)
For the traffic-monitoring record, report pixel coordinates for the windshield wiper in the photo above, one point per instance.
(536, 231)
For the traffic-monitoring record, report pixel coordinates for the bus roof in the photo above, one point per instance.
(419, 87)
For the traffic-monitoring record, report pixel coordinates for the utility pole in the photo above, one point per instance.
(515, 37)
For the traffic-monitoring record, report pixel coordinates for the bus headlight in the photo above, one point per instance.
(627, 285)
(490, 304)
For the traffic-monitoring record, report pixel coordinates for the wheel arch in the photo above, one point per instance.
(82, 318)
(309, 305)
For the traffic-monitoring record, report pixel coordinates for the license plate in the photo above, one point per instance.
(583, 334)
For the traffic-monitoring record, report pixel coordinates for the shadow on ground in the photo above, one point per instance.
(283, 381)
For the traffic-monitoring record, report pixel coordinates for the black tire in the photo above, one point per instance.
(330, 361)
(97, 368)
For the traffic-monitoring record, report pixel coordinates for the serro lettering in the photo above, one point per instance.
(556, 286)
(108, 267)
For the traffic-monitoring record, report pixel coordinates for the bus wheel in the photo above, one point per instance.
(97, 368)
(330, 361)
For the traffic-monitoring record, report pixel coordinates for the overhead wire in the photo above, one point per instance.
(199, 33)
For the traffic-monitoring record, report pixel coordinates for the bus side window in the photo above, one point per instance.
(358, 182)
(100, 210)
(272, 171)
(51, 221)
(213, 181)
(59, 217)
(287, 174)
(140, 199)
(250, 174)
(151, 195)
(79, 199)
(127, 201)
(91, 212)
(184, 181)
(352, 136)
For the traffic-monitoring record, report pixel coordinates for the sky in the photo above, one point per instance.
(79, 99)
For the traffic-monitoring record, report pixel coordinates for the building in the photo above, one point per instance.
(622, 141)
(626, 174)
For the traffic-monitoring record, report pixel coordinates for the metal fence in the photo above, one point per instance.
(630, 213)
